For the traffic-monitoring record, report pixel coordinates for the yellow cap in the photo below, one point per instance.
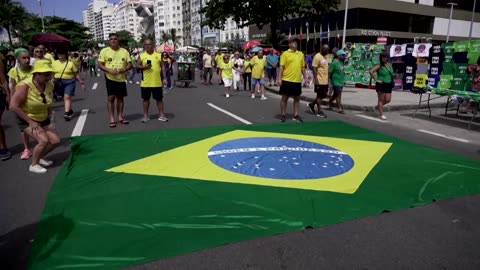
(42, 66)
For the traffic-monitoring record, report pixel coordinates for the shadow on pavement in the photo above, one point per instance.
(15, 245)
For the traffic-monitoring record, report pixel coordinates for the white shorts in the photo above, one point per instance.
(227, 82)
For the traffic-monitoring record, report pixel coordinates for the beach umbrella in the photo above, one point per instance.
(164, 48)
(50, 39)
(256, 49)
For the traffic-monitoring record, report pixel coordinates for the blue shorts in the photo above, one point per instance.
(260, 81)
(69, 87)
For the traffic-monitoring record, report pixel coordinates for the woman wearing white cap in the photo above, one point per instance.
(32, 102)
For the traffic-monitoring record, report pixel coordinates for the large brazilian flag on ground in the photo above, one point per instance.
(132, 198)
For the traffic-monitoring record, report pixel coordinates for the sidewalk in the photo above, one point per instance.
(360, 99)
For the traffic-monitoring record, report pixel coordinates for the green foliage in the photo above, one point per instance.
(165, 37)
(126, 39)
(147, 36)
(12, 16)
(263, 12)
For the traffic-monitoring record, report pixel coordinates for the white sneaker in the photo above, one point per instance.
(227, 95)
(383, 117)
(37, 169)
(253, 95)
(45, 162)
(130, 82)
(137, 82)
(145, 119)
(162, 118)
(263, 98)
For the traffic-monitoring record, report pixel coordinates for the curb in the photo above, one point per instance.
(353, 107)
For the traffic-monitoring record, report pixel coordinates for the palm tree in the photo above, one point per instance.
(12, 17)
(174, 37)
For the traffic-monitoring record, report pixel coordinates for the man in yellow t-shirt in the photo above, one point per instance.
(259, 62)
(115, 62)
(292, 67)
(150, 63)
(320, 77)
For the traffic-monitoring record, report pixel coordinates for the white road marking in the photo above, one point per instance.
(371, 118)
(444, 136)
(230, 114)
(95, 85)
(77, 131)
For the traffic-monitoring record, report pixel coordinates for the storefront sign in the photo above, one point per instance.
(376, 33)
(261, 35)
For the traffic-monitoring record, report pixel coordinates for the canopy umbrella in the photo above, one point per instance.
(267, 51)
(250, 44)
(256, 49)
(50, 39)
(164, 48)
(187, 49)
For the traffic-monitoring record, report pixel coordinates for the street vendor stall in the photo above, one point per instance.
(452, 95)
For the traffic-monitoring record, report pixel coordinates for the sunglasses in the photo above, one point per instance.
(44, 99)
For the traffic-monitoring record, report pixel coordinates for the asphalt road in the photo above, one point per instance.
(442, 235)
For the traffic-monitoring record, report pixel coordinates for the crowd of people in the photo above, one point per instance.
(30, 84)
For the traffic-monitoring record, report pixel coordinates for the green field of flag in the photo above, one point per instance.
(127, 199)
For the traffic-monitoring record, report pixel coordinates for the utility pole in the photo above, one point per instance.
(473, 16)
(450, 20)
(41, 15)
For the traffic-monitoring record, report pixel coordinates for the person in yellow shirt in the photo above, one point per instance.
(227, 74)
(292, 67)
(320, 78)
(66, 76)
(218, 64)
(32, 103)
(115, 62)
(48, 55)
(149, 63)
(16, 75)
(247, 73)
(259, 62)
(4, 101)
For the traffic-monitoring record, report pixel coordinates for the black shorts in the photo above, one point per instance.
(290, 89)
(321, 90)
(156, 92)
(3, 101)
(383, 88)
(23, 125)
(118, 89)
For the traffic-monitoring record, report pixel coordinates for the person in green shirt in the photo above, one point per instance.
(383, 76)
(92, 65)
(337, 77)
(134, 69)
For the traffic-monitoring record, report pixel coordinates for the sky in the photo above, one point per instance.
(70, 9)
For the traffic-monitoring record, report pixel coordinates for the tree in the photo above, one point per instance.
(12, 17)
(147, 36)
(174, 37)
(126, 38)
(165, 37)
(268, 40)
(238, 41)
(262, 12)
(75, 32)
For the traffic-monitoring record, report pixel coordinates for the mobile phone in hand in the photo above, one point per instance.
(149, 62)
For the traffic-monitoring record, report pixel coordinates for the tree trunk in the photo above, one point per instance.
(10, 36)
(273, 34)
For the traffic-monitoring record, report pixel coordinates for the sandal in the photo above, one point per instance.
(112, 125)
(123, 122)
(341, 112)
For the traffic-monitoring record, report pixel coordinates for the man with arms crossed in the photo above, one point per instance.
(292, 67)
(150, 63)
(320, 77)
(115, 62)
